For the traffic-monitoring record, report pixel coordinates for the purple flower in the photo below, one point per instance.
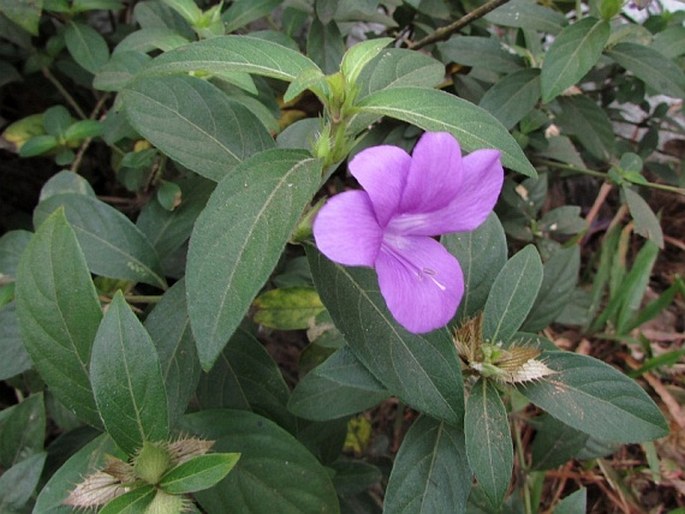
(390, 225)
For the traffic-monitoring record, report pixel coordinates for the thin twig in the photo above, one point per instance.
(605, 176)
(445, 32)
(70, 99)
(84, 146)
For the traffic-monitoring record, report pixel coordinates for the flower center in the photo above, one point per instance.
(399, 248)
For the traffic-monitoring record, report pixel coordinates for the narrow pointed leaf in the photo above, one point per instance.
(595, 398)
(238, 240)
(573, 53)
(195, 123)
(423, 370)
(359, 55)
(18, 483)
(169, 327)
(513, 97)
(575, 503)
(560, 276)
(581, 117)
(199, 473)
(650, 66)
(59, 314)
(512, 295)
(113, 246)
(275, 473)
(339, 387)
(481, 254)
(233, 53)
(132, 502)
(87, 460)
(434, 110)
(127, 379)
(86, 46)
(488, 441)
(430, 473)
(246, 377)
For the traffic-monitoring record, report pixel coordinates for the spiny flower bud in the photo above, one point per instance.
(515, 364)
(152, 461)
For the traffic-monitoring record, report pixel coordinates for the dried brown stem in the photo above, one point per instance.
(445, 32)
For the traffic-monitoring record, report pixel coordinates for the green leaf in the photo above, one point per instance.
(38, 145)
(86, 46)
(484, 52)
(169, 328)
(627, 297)
(147, 40)
(354, 476)
(489, 446)
(573, 53)
(359, 55)
(595, 398)
(18, 483)
(25, 13)
(132, 502)
(555, 443)
(86, 460)
(112, 245)
(527, 14)
(646, 222)
(434, 110)
(127, 379)
(168, 230)
(12, 245)
(76, 132)
(287, 309)
(56, 120)
(512, 295)
(66, 182)
(670, 42)
(188, 9)
(275, 472)
(229, 263)
(59, 313)
(13, 356)
(120, 70)
(339, 387)
(22, 430)
(233, 53)
(560, 275)
(399, 67)
(242, 12)
(513, 97)
(584, 119)
(481, 254)
(575, 503)
(246, 377)
(194, 123)
(650, 66)
(325, 45)
(430, 473)
(423, 370)
(198, 473)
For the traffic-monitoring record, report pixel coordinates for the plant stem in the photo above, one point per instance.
(70, 99)
(605, 176)
(143, 298)
(522, 462)
(446, 31)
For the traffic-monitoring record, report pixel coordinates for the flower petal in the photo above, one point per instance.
(435, 173)
(382, 172)
(346, 230)
(422, 283)
(482, 178)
